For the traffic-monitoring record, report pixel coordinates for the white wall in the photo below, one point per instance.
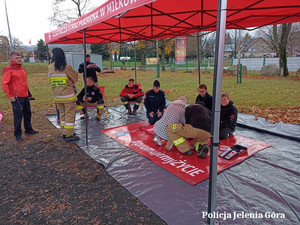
(293, 63)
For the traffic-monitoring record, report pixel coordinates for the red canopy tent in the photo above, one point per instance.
(129, 20)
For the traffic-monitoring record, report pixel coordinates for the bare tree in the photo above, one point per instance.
(207, 40)
(247, 37)
(232, 38)
(63, 14)
(280, 44)
(206, 45)
(278, 35)
(293, 45)
(16, 43)
(4, 48)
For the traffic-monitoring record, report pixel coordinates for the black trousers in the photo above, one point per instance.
(152, 120)
(137, 101)
(99, 102)
(225, 133)
(21, 108)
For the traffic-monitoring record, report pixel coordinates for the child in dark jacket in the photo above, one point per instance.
(228, 117)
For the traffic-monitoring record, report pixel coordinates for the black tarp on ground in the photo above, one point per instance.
(265, 187)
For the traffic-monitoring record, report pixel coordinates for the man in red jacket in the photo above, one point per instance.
(14, 84)
(131, 92)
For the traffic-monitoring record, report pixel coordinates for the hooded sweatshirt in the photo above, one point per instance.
(173, 114)
(228, 116)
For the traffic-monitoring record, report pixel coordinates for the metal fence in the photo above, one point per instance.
(293, 63)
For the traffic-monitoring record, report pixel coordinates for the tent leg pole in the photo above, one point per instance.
(135, 78)
(85, 88)
(217, 91)
(198, 54)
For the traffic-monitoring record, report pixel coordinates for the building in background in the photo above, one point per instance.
(257, 48)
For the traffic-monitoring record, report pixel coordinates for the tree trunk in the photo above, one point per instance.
(286, 29)
(235, 44)
(163, 64)
(275, 38)
(280, 47)
(142, 57)
(110, 60)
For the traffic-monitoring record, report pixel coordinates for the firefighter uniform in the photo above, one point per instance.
(62, 83)
(138, 96)
(198, 120)
(97, 101)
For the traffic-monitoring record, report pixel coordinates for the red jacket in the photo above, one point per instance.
(136, 90)
(14, 81)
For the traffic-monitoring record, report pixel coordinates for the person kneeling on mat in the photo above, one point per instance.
(198, 122)
(155, 103)
(94, 98)
(173, 114)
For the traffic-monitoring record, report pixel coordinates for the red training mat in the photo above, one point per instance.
(138, 137)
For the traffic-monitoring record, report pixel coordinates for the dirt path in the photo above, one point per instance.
(43, 180)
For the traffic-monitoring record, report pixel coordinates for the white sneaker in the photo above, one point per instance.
(157, 140)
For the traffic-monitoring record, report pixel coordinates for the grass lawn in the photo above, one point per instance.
(276, 98)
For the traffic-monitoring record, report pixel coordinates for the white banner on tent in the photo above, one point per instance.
(105, 11)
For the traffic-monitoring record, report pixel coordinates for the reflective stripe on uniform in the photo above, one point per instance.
(58, 80)
(65, 97)
(79, 107)
(69, 125)
(137, 103)
(125, 103)
(62, 123)
(57, 75)
(100, 106)
(197, 146)
(179, 141)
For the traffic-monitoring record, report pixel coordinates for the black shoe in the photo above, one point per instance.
(134, 112)
(72, 138)
(189, 152)
(202, 153)
(64, 136)
(98, 117)
(31, 132)
(19, 139)
(129, 112)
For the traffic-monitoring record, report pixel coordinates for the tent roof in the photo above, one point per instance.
(129, 20)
